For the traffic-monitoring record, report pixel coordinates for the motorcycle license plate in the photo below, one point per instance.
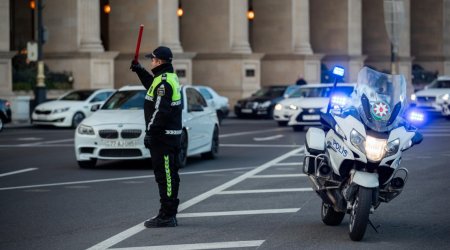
(311, 117)
(119, 143)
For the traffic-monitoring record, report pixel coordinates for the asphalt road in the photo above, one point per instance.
(252, 196)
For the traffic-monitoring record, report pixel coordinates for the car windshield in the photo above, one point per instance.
(440, 84)
(78, 95)
(322, 91)
(129, 99)
(271, 92)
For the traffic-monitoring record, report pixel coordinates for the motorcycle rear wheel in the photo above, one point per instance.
(359, 215)
(329, 216)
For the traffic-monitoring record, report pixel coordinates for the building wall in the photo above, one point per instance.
(205, 26)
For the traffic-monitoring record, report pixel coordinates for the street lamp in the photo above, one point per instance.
(180, 10)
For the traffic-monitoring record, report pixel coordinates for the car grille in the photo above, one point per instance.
(108, 133)
(426, 98)
(130, 152)
(42, 112)
(251, 105)
(130, 133)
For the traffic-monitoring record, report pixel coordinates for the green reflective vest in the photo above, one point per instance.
(172, 79)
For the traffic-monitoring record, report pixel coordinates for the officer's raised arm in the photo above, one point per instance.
(145, 77)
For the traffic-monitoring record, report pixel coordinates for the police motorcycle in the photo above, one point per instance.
(353, 161)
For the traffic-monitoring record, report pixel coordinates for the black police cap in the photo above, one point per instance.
(162, 53)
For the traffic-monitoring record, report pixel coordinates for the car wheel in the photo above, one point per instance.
(214, 146)
(77, 118)
(297, 128)
(182, 154)
(87, 164)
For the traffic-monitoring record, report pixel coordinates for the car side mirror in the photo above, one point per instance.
(95, 107)
(195, 108)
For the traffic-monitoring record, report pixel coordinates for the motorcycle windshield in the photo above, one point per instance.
(380, 99)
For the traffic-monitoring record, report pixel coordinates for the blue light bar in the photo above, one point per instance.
(338, 100)
(338, 71)
(416, 116)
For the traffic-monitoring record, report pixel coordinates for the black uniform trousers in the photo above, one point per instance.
(165, 166)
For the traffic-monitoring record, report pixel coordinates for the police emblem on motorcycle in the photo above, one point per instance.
(380, 111)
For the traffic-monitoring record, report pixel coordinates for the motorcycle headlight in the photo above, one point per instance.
(392, 147)
(278, 107)
(265, 104)
(60, 110)
(340, 132)
(85, 130)
(375, 148)
(357, 140)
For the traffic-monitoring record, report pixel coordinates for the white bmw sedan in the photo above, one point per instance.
(117, 130)
(70, 109)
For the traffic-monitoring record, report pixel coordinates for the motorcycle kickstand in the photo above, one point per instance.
(373, 226)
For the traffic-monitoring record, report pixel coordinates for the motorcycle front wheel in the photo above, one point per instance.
(359, 215)
(329, 216)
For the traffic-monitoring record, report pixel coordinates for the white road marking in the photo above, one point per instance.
(117, 179)
(435, 135)
(139, 227)
(270, 138)
(278, 176)
(259, 146)
(37, 146)
(250, 132)
(18, 171)
(259, 191)
(212, 245)
(289, 163)
(30, 139)
(242, 212)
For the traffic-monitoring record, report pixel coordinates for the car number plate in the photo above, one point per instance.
(246, 111)
(311, 117)
(119, 143)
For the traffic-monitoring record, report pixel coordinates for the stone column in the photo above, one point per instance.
(89, 29)
(356, 59)
(168, 25)
(5, 54)
(239, 27)
(300, 27)
(446, 34)
(404, 50)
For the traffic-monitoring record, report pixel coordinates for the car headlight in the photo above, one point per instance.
(60, 110)
(413, 97)
(375, 148)
(278, 107)
(85, 130)
(392, 147)
(293, 107)
(265, 104)
(445, 97)
(357, 140)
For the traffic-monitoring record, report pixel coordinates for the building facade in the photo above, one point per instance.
(215, 44)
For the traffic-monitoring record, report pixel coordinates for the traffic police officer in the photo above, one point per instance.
(162, 110)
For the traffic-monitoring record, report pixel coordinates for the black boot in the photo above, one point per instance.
(161, 221)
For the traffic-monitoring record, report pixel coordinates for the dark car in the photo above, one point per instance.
(5, 113)
(261, 103)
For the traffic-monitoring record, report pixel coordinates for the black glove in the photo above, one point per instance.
(135, 66)
(147, 140)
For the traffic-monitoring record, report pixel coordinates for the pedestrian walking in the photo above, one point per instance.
(162, 110)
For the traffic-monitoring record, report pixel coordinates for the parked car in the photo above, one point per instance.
(435, 98)
(218, 102)
(5, 113)
(303, 108)
(70, 109)
(262, 102)
(117, 130)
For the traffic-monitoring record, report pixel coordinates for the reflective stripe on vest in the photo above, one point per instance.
(172, 79)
